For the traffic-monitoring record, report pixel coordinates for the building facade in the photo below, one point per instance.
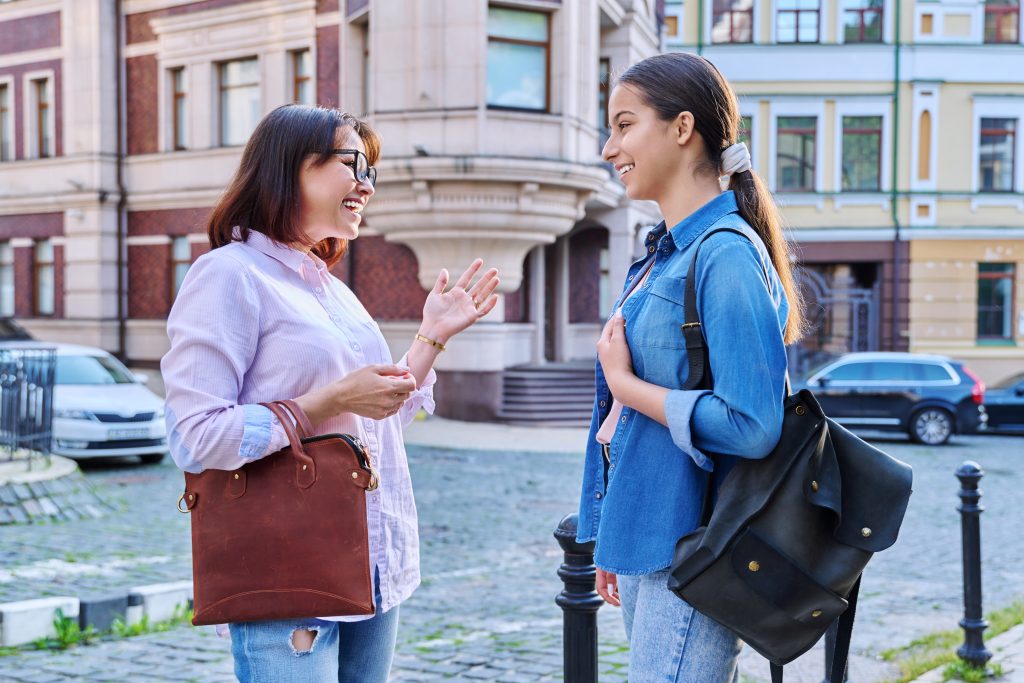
(890, 133)
(123, 120)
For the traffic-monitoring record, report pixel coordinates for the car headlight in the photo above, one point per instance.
(73, 414)
(160, 412)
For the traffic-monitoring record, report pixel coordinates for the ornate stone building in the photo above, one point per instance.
(122, 120)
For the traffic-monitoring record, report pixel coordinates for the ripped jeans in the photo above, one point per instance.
(342, 651)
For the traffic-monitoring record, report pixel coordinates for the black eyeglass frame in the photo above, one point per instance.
(369, 172)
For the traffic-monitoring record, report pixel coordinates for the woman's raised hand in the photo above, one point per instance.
(446, 313)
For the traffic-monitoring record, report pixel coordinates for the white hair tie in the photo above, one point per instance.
(736, 159)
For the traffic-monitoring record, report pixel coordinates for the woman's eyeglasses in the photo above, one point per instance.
(359, 164)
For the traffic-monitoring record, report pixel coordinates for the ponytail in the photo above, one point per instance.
(757, 207)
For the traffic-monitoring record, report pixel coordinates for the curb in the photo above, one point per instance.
(26, 621)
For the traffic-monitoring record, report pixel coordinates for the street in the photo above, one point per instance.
(486, 607)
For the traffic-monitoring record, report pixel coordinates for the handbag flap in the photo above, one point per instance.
(876, 490)
(779, 580)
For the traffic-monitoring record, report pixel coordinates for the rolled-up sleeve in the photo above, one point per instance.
(742, 414)
(214, 330)
(423, 397)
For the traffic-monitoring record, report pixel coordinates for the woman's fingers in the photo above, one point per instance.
(467, 276)
(488, 280)
(617, 328)
(442, 281)
(487, 307)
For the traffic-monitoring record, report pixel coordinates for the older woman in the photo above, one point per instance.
(260, 318)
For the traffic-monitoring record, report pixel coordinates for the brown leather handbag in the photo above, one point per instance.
(284, 536)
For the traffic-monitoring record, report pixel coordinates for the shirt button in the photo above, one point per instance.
(319, 290)
(604, 403)
(611, 468)
(623, 419)
(631, 278)
(650, 249)
(598, 495)
(356, 347)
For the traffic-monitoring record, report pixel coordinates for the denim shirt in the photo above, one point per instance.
(657, 475)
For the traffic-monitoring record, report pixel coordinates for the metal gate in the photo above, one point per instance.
(26, 403)
(839, 318)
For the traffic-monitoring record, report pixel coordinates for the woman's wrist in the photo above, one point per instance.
(433, 333)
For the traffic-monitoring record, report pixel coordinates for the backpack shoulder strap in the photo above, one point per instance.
(696, 348)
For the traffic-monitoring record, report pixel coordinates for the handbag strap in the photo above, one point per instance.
(305, 429)
(841, 645)
(305, 473)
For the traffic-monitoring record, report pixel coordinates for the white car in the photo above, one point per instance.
(101, 408)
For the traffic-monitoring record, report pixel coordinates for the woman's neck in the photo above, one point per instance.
(683, 200)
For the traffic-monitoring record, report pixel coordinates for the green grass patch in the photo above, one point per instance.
(70, 634)
(962, 671)
(939, 649)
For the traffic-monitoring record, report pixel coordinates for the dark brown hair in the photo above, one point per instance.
(264, 194)
(676, 82)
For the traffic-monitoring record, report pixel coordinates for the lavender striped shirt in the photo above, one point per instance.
(258, 321)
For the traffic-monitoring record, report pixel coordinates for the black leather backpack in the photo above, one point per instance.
(779, 555)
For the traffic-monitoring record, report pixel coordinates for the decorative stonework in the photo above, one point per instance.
(449, 210)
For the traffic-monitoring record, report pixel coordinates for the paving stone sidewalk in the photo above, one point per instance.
(486, 609)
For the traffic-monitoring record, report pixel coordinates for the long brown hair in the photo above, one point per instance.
(264, 193)
(676, 82)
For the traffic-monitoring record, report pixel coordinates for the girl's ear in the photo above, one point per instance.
(682, 128)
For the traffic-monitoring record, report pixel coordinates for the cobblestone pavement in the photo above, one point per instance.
(486, 609)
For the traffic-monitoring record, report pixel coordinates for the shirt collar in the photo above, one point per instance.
(292, 258)
(691, 227)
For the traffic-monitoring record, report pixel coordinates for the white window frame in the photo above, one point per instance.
(675, 9)
(1000, 108)
(796, 107)
(216, 66)
(166, 101)
(879, 107)
(14, 293)
(29, 101)
(823, 21)
(752, 108)
(887, 23)
(709, 18)
(9, 81)
(939, 10)
(290, 70)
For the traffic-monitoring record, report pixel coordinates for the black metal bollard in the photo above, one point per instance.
(973, 651)
(579, 602)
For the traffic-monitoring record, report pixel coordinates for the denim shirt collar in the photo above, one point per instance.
(691, 227)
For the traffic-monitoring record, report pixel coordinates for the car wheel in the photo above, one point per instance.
(931, 426)
(151, 458)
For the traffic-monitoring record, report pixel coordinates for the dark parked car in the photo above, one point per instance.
(1004, 404)
(928, 397)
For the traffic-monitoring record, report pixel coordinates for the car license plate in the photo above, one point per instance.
(116, 434)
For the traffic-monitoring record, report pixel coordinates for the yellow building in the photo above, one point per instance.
(890, 133)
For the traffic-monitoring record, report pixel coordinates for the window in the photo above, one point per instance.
(43, 277)
(746, 122)
(851, 372)
(996, 154)
(604, 73)
(1002, 21)
(239, 100)
(796, 21)
(178, 113)
(6, 149)
(181, 259)
(671, 27)
(893, 372)
(995, 300)
(930, 372)
(302, 80)
(43, 138)
(796, 153)
(604, 291)
(862, 154)
(518, 59)
(6, 280)
(732, 21)
(862, 21)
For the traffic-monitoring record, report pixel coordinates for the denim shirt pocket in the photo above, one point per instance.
(657, 336)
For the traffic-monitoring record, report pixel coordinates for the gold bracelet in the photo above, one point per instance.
(427, 340)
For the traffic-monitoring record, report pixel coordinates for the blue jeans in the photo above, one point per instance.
(669, 641)
(342, 652)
